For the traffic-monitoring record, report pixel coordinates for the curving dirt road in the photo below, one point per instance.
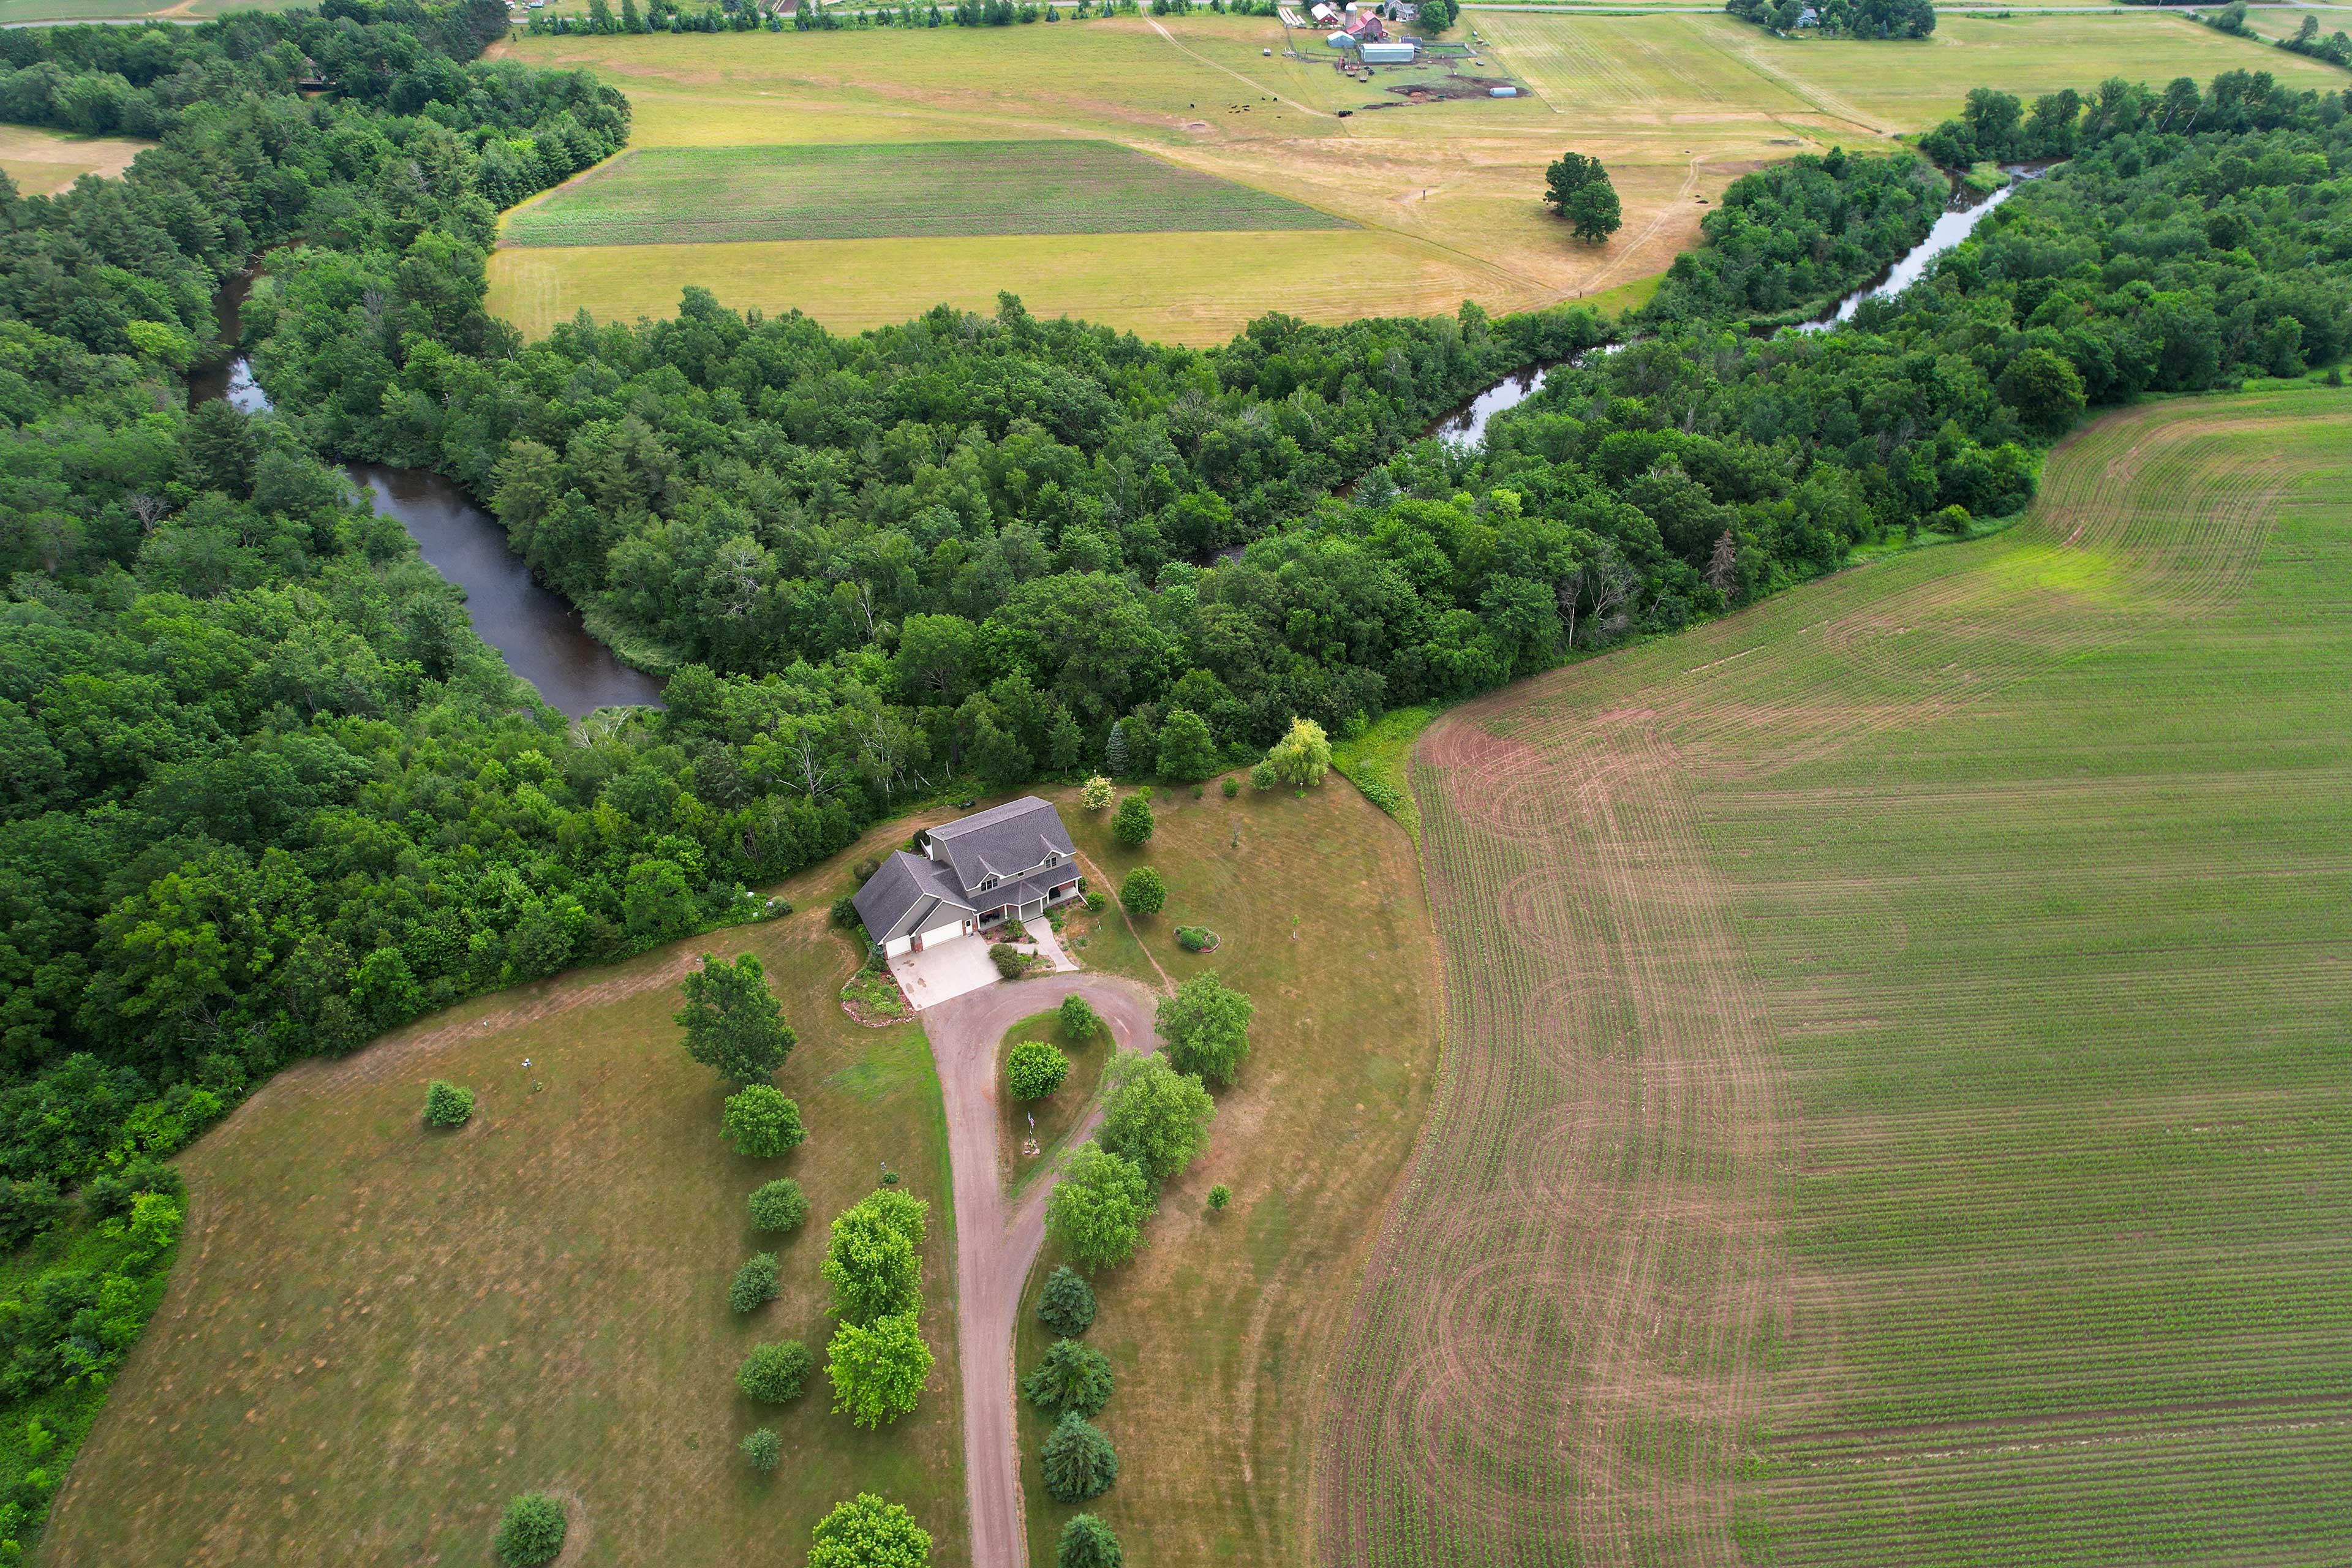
(997, 1241)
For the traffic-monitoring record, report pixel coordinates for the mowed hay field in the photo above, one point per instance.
(692, 195)
(43, 162)
(1898, 1099)
(1447, 195)
(1225, 1328)
(376, 1335)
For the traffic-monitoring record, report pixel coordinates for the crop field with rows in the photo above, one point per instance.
(671, 194)
(1895, 1102)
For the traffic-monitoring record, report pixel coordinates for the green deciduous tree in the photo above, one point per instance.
(867, 1532)
(1078, 1019)
(2045, 390)
(873, 1260)
(761, 1123)
(1079, 1461)
(878, 1368)
(763, 1449)
(732, 1021)
(1142, 892)
(1034, 1070)
(1204, 1028)
(1593, 213)
(1302, 756)
(1096, 793)
(1132, 823)
(1156, 1116)
(1187, 752)
(1098, 1207)
(1071, 1378)
(775, 1373)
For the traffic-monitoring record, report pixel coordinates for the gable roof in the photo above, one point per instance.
(1002, 841)
(904, 889)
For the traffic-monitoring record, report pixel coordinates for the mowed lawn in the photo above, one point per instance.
(674, 195)
(42, 162)
(1446, 196)
(376, 1334)
(1225, 1328)
(1898, 1100)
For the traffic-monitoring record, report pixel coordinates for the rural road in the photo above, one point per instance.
(996, 1241)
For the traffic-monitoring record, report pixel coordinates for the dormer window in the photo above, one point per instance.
(1053, 857)
(987, 882)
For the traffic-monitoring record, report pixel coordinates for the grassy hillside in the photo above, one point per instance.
(1896, 1111)
(376, 1335)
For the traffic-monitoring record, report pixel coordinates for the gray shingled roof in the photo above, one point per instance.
(905, 885)
(1005, 840)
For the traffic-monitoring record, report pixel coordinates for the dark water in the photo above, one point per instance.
(539, 632)
(1466, 426)
(537, 629)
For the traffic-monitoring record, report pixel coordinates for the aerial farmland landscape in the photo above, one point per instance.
(1175, 782)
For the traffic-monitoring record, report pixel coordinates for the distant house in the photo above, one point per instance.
(1011, 861)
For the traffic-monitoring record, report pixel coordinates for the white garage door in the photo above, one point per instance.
(897, 945)
(947, 933)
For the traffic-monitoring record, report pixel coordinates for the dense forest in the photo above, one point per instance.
(263, 793)
(1840, 18)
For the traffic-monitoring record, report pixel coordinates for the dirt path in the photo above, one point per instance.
(996, 1241)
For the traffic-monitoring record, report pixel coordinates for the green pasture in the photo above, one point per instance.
(669, 195)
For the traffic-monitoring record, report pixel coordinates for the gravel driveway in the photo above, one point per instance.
(995, 1241)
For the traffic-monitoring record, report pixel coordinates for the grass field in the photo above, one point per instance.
(375, 1336)
(1224, 1330)
(25, 12)
(1446, 195)
(1059, 1112)
(43, 162)
(894, 190)
(1896, 1109)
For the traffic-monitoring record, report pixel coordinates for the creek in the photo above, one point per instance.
(539, 633)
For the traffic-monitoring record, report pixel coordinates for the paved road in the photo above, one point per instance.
(995, 1241)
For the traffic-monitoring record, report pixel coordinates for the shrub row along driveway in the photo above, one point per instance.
(997, 1241)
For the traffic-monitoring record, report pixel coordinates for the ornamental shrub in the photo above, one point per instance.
(776, 1373)
(1080, 1463)
(446, 1105)
(844, 910)
(1195, 939)
(1096, 793)
(754, 1285)
(764, 1449)
(532, 1533)
(1071, 1378)
(1034, 1070)
(1010, 963)
(1132, 823)
(1067, 1304)
(1262, 776)
(1303, 756)
(1233, 786)
(1143, 892)
(1086, 1543)
(1097, 903)
(1219, 1196)
(779, 1205)
(761, 1123)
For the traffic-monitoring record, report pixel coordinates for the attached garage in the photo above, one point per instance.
(939, 933)
(897, 945)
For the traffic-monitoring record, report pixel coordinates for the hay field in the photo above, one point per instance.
(43, 162)
(1447, 194)
(1895, 1106)
(1225, 1328)
(671, 195)
(374, 1336)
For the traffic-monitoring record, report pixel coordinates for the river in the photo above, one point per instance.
(537, 631)
(1466, 426)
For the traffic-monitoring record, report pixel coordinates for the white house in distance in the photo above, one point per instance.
(1009, 862)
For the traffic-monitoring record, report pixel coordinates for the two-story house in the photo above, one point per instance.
(1009, 862)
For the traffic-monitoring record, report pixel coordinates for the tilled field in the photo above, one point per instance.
(1896, 1104)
